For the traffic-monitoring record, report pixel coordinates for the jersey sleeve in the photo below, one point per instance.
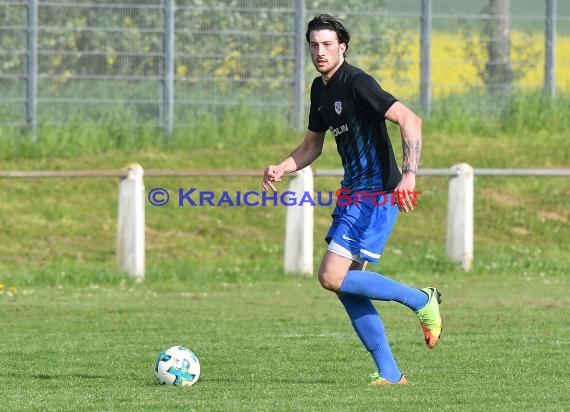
(316, 123)
(368, 92)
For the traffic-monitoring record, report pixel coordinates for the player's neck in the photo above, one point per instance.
(328, 75)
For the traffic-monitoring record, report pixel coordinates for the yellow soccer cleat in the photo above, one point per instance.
(430, 319)
(380, 381)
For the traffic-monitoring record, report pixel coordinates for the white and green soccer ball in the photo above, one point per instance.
(177, 365)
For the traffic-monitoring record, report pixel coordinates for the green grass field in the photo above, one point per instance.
(284, 344)
(77, 335)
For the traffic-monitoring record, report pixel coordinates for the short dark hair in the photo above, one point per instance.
(328, 22)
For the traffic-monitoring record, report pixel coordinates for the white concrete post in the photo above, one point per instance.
(459, 239)
(131, 223)
(299, 226)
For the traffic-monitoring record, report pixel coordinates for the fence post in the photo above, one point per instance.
(459, 239)
(299, 226)
(32, 69)
(550, 48)
(168, 67)
(299, 66)
(131, 223)
(425, 55)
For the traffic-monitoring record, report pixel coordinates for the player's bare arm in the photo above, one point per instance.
(411, 132)
(310, 148)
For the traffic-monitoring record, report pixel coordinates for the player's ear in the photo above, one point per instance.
(342, 48)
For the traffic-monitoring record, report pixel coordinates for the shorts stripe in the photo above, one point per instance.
(370, 254)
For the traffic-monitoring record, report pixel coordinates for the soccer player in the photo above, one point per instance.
(351, 104)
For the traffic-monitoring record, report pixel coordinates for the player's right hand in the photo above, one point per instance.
(271, 175)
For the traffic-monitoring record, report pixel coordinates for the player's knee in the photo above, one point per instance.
(330, 280)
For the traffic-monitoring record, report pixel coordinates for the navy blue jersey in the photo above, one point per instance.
(352, 105)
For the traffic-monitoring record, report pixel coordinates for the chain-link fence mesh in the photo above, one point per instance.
(104, 61)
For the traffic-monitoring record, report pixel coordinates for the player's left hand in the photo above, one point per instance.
(406, 197)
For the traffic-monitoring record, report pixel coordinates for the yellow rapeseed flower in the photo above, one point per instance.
(453, 72)
(111, 59)
(181, 70)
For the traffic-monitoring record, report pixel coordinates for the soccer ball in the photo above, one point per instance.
(177, 365)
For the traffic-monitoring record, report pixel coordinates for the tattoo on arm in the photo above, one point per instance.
(412, 153)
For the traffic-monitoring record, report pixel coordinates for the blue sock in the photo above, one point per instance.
(375, 286)
(370, 329)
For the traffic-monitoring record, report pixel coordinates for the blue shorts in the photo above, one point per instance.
(363, 227)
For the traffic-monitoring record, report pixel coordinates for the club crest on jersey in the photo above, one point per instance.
(338, 107)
